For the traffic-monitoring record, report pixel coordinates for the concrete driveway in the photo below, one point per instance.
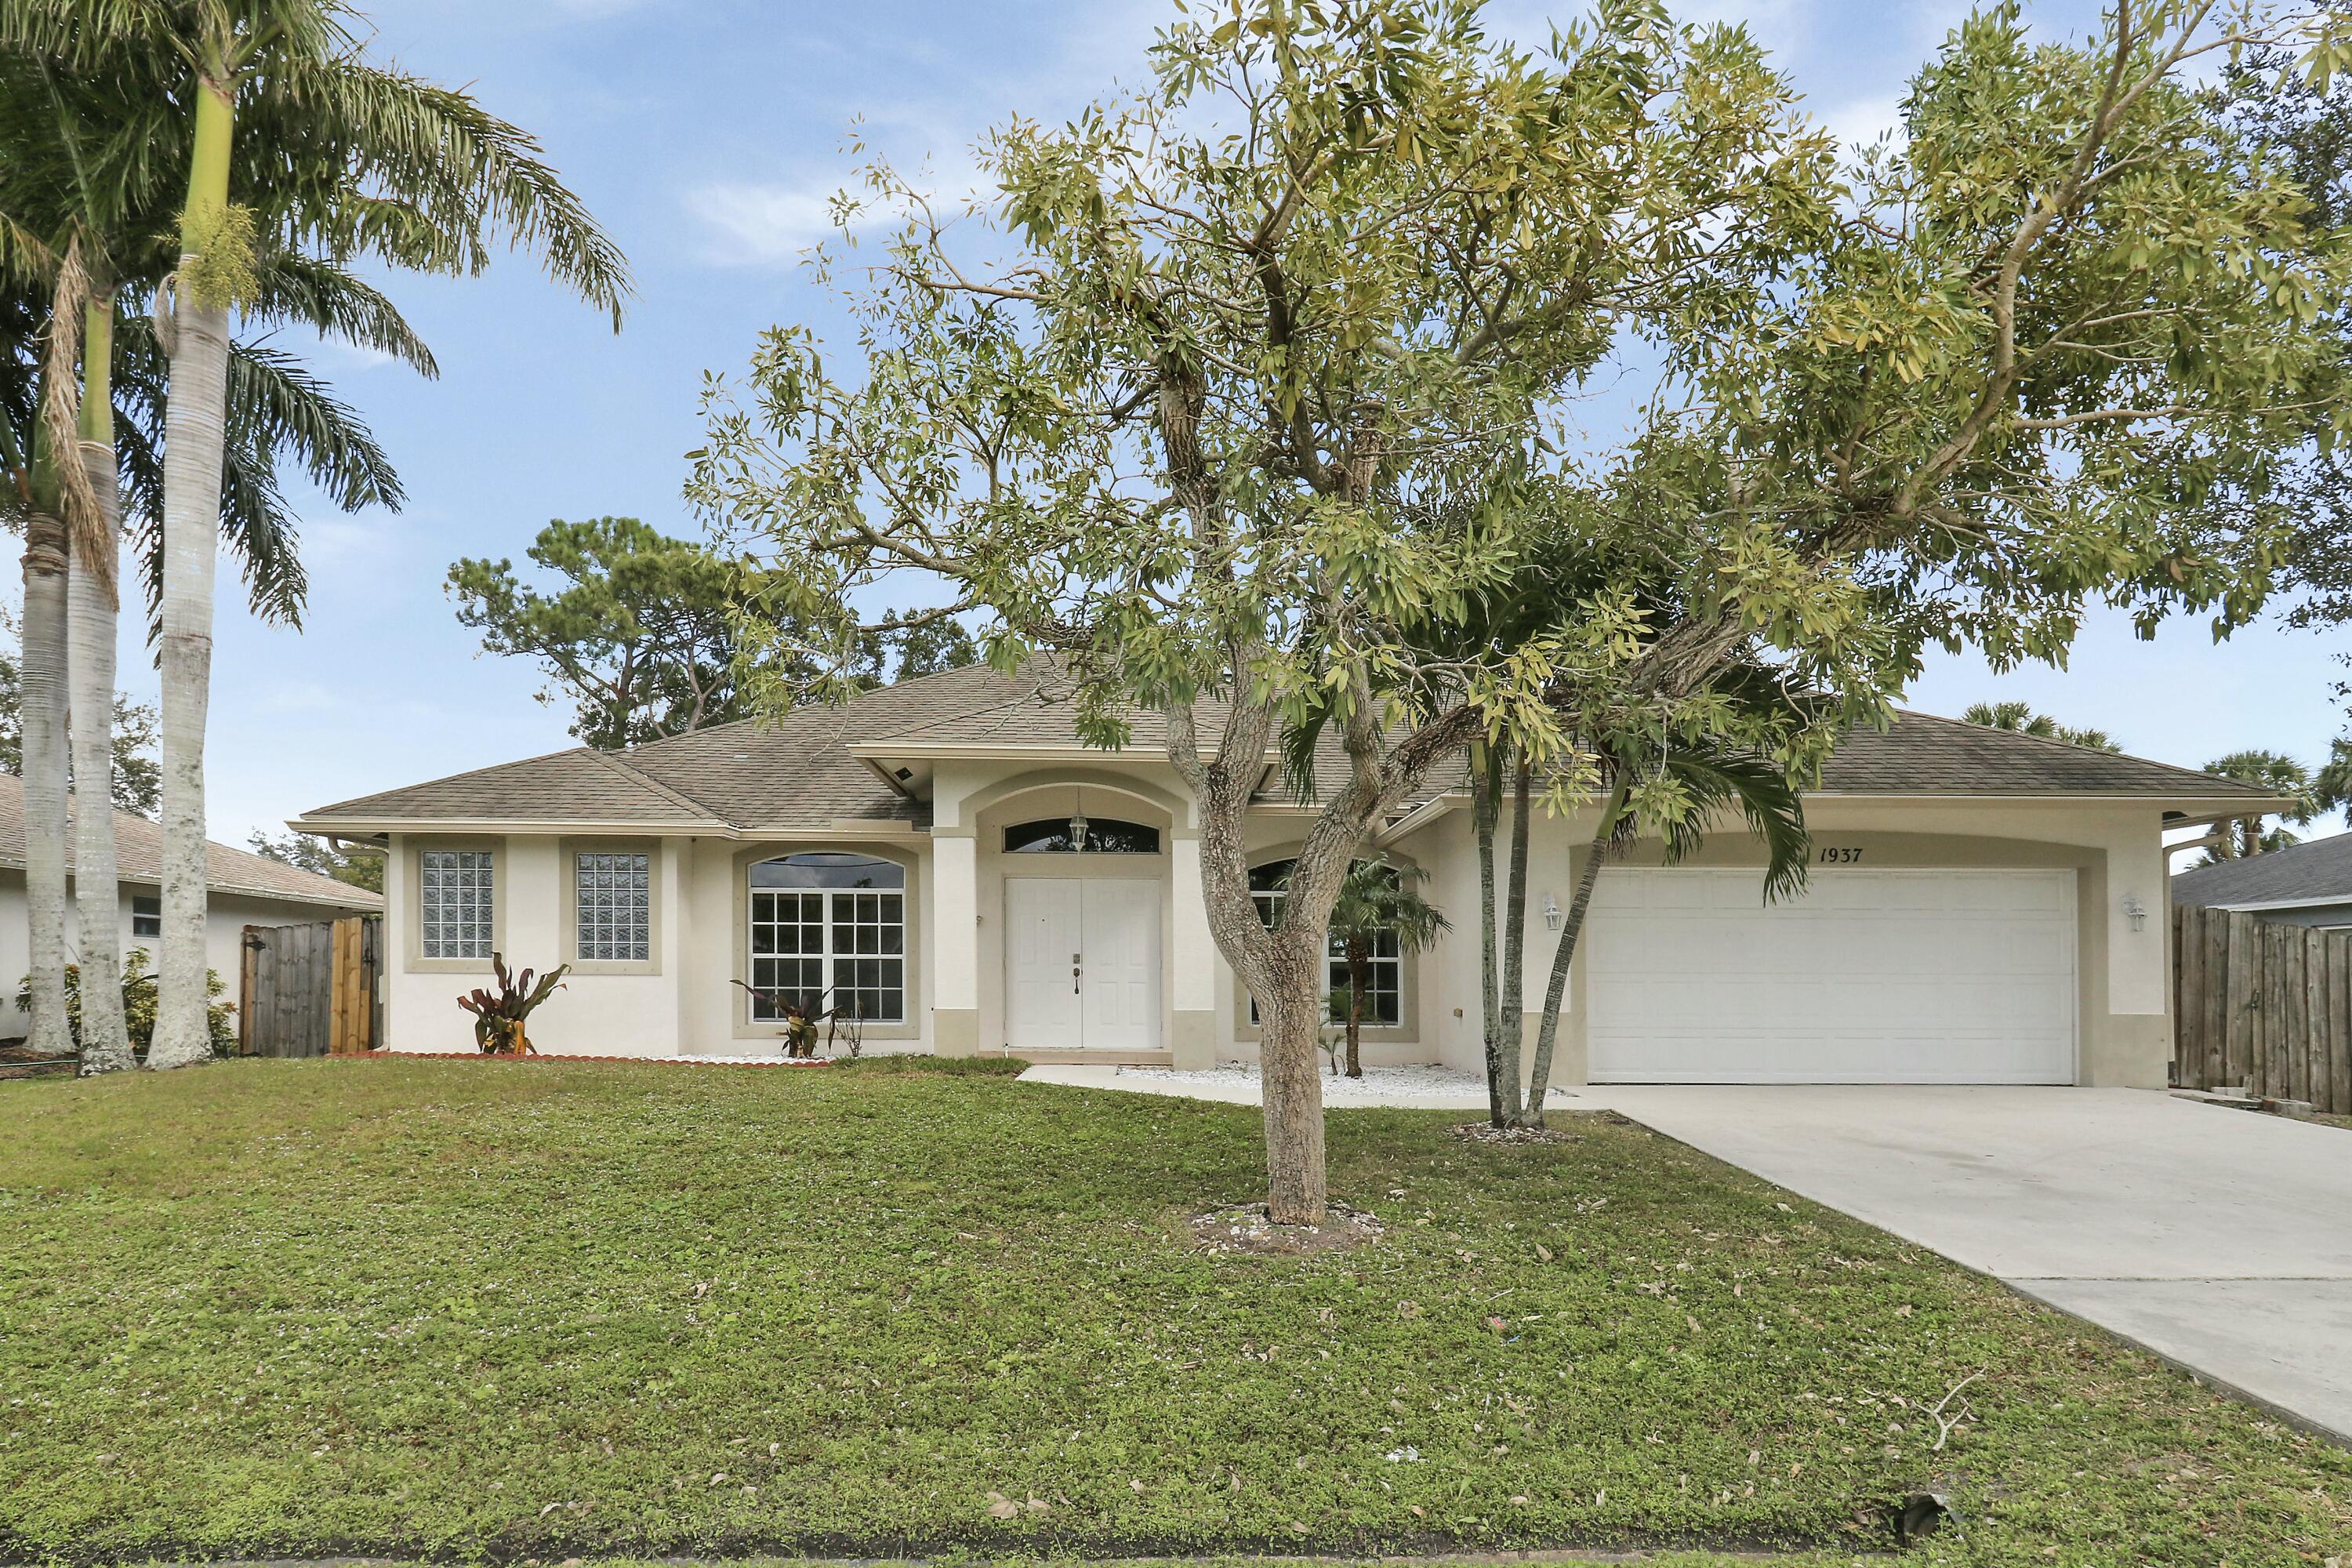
(2220, 1239)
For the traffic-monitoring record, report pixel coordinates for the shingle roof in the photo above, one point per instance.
(2315, 872)
(139, 858)
(578, 786)
(801, 774)
(1923, 754)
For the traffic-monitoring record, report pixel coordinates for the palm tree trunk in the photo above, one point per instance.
(1358, 976)
(192, 446)
(1511, 1016)
(92, 611)
(1564, 955)
(44, 728)
(1486, 782)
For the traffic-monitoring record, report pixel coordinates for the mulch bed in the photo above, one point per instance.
(1246, 1229)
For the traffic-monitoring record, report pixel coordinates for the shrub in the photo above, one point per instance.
(139, 1003)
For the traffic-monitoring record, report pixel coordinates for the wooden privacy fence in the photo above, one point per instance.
(310, 990)
(2264, 1006)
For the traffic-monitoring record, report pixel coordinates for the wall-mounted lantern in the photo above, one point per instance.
(2135, 911)
(1551, 912)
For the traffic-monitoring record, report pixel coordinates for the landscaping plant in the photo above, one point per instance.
(1378, 902)
(139, 1004)
(499, 1017)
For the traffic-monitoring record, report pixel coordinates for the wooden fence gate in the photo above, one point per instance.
(310, 990)
(2264, 1006)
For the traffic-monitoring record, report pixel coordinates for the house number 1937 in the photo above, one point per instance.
(1840, 855)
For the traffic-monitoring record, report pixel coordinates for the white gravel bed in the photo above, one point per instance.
(1378, 1086)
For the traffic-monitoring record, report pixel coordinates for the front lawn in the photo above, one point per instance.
(281, 1308)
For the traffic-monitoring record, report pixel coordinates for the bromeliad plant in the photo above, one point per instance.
(498, 1018)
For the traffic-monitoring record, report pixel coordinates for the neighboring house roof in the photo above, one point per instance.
(139, 858)
(829, 768)
(2319, 872)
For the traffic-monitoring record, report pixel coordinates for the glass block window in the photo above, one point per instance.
(455, 903)
(829, 934)
(613, 914)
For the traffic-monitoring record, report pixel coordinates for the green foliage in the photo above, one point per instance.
(637, 634)
(2020, 718)
(2280, 776)
(500, 1016)
(139, 1004)
(1379, 897)
(354, 868)
(338, 164)
(984, 1286)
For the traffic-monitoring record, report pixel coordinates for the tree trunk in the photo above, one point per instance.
(1290, 1020)
(1564, 955)
(44, 731)
(92, 609)
(1511, 1011)
(1359, 973)
(1486, 783)
(193, 443)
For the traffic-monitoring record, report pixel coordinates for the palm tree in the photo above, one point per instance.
(2020, 718)
(76, 199)
(1377, 902)
(2278, 774)
(354, 159)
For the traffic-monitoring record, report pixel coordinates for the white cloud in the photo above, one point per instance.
(754, 224)
(759, 223)
(1859, 123)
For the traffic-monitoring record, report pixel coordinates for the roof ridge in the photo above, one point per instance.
(638, 776)
(2075, 748)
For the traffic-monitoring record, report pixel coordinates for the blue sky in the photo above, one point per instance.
(706, 134)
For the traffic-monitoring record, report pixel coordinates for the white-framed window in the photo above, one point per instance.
(612, 907)
(147, 916)
(1384, 977)
(455, 903)
(829, 934)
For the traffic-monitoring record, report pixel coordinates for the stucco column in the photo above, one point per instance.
(1193, 988)
(673, 865)
(955, 914)
(2131, 1046)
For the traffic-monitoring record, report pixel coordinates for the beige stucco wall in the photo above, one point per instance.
(956, 886)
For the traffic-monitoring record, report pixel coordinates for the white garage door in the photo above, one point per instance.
(1923, 976)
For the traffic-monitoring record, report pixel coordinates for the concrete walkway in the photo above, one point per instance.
(2220, 1239)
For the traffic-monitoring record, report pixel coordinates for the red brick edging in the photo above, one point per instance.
(569, 1056)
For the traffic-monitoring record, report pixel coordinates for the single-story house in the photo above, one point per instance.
(1984, 906)
(2304, 884)
(246, 890)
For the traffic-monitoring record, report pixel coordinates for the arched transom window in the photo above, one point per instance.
(1384, 996)
(1104, 836)
(829, 933)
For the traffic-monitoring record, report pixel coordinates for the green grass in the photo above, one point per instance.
(454, 1308)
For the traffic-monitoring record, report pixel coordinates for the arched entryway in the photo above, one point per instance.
(1082, 933)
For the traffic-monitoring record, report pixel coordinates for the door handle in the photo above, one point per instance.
(1076, 968)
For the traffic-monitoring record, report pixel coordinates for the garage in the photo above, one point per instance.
(1923, 975)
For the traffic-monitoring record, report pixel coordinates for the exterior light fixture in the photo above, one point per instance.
(1551, 912)
(1078, 824)
(2135, 911)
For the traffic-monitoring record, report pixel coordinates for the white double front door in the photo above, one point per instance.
(1081, 964)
